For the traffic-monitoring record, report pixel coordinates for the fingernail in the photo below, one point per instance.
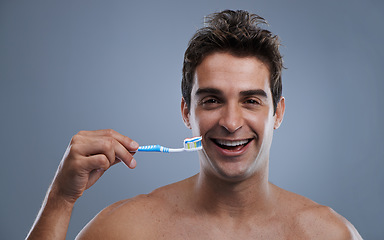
(133, 163)
(134, 144)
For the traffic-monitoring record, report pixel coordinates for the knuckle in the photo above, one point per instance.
(109, 132)
(75, 139)
(107, 143)
(82, 132)
(102, 161)
(74, 148)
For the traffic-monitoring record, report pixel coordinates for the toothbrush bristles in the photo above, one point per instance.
(192, 144)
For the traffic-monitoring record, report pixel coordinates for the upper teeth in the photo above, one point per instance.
(231, 143)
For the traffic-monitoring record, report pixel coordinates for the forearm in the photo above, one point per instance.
(53, 219)
(88, 155)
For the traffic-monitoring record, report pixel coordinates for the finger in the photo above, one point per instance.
(123, 147)
(95, 147)
(122, 154)
(119, 151)
(105, 145)
(126, 148)
(127, 142)
(97, 162)
(131, 163)
(93, 177)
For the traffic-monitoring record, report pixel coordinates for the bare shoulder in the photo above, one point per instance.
(135, 218)
(121, 219)
(315, 221)
(323, 222)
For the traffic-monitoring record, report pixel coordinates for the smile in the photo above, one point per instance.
(232, 145)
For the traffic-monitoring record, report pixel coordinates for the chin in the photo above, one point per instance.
(232, 178)
(231, 169)
(234, 173)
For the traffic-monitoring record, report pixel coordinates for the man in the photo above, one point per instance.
(232, 98)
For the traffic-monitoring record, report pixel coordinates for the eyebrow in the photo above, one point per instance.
(215, 91)
(256, 92)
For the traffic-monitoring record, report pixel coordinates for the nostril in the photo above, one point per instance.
(231, 129)
(231, 118)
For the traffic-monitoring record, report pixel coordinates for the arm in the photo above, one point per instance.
(53, 219)
(88, 156)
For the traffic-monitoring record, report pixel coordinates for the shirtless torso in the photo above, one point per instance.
(172, 212)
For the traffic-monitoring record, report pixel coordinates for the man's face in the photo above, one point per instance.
(232, 109)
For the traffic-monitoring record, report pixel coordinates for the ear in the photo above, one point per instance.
(280, 109)
(185, 113)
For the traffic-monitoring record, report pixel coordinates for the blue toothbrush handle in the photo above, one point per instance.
(153, 148)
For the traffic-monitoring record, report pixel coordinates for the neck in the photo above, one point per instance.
(235, 199)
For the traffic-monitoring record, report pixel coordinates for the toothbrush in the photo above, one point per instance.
(190, 144)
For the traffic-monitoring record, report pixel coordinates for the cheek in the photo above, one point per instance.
(201, 122)
(260, 122)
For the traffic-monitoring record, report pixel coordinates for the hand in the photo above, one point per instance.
(88, 156)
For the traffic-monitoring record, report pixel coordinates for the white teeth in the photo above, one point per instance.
(231, 143)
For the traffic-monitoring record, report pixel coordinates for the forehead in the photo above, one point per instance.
(228, 72)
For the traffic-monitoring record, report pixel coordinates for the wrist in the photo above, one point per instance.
(57, 199)
(53, 219)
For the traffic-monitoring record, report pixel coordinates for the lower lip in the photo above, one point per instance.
(233, 153)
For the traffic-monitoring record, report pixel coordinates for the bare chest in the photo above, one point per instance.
(211, 229)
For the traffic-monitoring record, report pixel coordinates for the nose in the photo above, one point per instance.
(231, 118)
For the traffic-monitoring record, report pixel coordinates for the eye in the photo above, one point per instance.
(252, 101)
(210, 102)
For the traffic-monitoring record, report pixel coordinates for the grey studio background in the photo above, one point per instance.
(67, 66)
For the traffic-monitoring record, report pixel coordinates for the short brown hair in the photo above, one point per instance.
(238, 33)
